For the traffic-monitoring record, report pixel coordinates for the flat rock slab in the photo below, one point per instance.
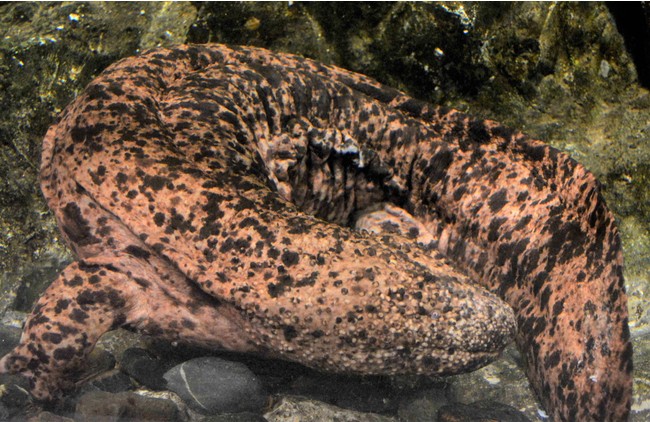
(293, 408)
(99, 405)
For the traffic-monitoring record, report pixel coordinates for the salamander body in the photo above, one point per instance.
(210, 194)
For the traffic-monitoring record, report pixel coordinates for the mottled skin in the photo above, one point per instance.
(209, 194)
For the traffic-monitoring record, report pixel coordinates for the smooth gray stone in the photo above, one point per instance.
(212, 385)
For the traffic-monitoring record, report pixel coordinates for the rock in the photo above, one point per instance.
(213, 385)
(104, 406)
(292, 408)
(118, 341)
(145, 369)
(264, 24)
(9, 337)
(13, 394)
(363, 394)
(641, 404)
(480, 411)
(113, 381)
(100, 374)
(37, 277)
(423, 406)
(502, 381)
(235, 417)
(49, 417)
(97, 362)
(4, 412)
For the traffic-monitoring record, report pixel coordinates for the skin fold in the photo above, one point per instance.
(210, 194)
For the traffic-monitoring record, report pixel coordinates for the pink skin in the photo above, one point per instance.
(207, 192)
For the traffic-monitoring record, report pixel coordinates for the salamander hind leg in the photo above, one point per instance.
(83, 303)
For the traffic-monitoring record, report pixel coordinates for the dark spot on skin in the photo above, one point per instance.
(308, 281)
(248, 222)
(273, 253)
(289, 332)
(155, 182)
(37, 318)
(61, 305)
(298, 226)
(188, 324)
(493, 229)
(64, 353)
(89, 297)
(535, 153)
(78, 315)
(76, 281)
(370, 308)
(142, 282)
(121, 179)
(436, 167)
(546, 294)
(91, 268)
(558, 307)
(498, 200)
(159, 219)
(137, 252)
(552, 360)
(274, 290)
(478, 132)
(290, 258)
(54, 338)
(76, 227)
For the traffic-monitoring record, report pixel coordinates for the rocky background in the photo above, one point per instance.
(573, 74)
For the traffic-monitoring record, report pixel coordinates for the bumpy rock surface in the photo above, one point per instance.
(125, 406)
(312, 411)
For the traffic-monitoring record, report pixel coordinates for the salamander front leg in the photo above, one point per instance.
(83, 303)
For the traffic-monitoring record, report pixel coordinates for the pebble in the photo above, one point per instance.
(480, 411)
(4, 412)
(143, 368)
(13, 393)
(235, 417)
(422, 406)
(49, 417)
(97, 362)
(293, 408)
(211, 385)
(113, 381)
(100, 405)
